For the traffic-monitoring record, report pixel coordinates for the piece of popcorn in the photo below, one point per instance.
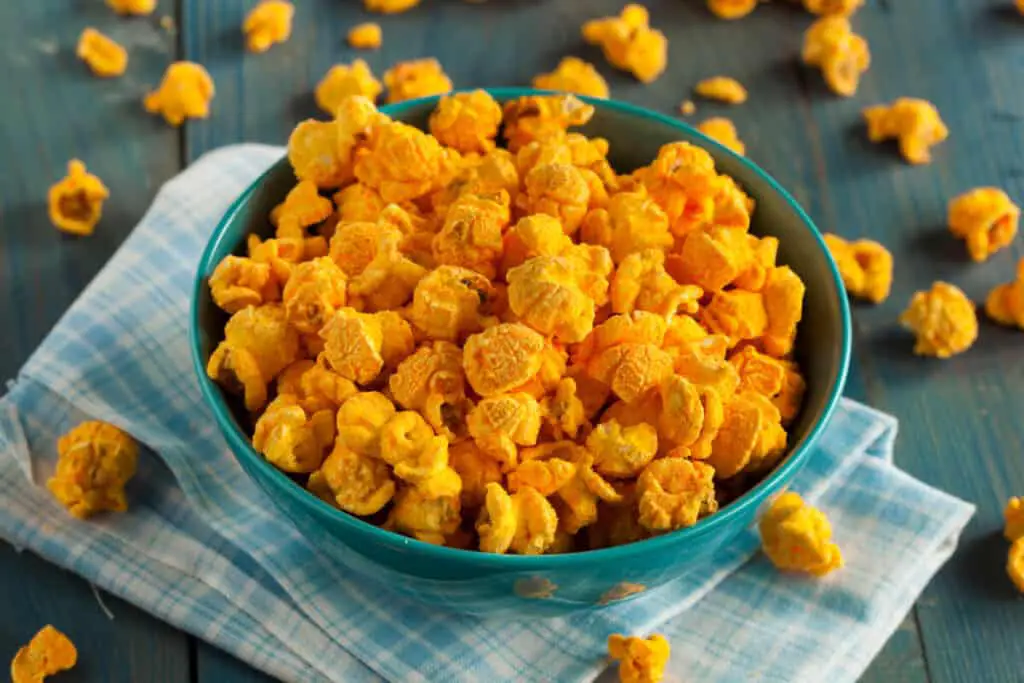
(48, 653)
(353, 345)
(737, 437)
(400, 162)
(502, 357)
(642, 283)
(629, 43)
(280, 255)
(736, 314)
(1005, 303)
(356, 483)
(258, 344)
(632, 222)
(1015, 564)
(313, 151)
(471, 236)
(476, 469)
(365, 36)
(546, 476)
(1013, 516)
(622, 452)
(535, 235)
(432, 381)
(389, 6)
(843, 56)
(357, 203)
(641, 660)
(498, 521)
(268, 23)
(355, 245)
(346, 80)
(688, 416)
(712, 259)
(797, 537)
(426, 519)
(559, 190)
(674, 493)
(104, 56)
(913, 122)
(185, 92)
(831, 7)
(416, 78)
(302, 207)
(545, 293)
(539, 117)
(94, 462)
(389, 280)
(723, 131)
(536, 522)
(943, 319)
(722, 89)
(731, 9)
(498, 424)
(292, 439)
(451, 303)
(361, 420)
(783, 297)
(864, 265)
(315, 386)
(758, 372)
(985, 218)
(790, 397)
(763, 251)
(564, 412)
(239, 282)
(466, 121)
(315, 291)
(75, 203)
(137, 8)
(573, 75)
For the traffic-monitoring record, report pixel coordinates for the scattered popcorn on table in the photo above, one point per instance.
(342, 81)
(416, 78)
(48, 653)
(842, 8)
(797, 537)
(731, 9)
(515, 350)
(268, 23)
(843, 56)
(104, 56)
(134, 7)
(629, 43)
(185, 92)
(366, 36)
(641, 660)
(722, 130)
(865, 266)
(389, 6)
(722, 89)
(986, 219)
(687, 108)
(95, 461)
(914, 123)
(1015, 564)
(1005, 303)
(75, 202)
(575, 76)
(943, 320)
(1013, 514)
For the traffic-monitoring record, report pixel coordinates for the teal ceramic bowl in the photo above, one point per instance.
(484, 584)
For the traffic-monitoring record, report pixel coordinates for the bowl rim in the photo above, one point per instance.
(242, 448)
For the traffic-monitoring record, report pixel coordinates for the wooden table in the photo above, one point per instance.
(961, 420)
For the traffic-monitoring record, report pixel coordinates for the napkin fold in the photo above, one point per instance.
(202, 548)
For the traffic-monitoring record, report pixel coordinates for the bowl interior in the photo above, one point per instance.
(635, 135)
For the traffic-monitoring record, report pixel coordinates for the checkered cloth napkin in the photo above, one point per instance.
(202, 548)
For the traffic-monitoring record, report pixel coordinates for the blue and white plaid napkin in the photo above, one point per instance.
(203, 549)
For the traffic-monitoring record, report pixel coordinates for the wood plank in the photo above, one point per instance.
(129, 648)
(54, 110)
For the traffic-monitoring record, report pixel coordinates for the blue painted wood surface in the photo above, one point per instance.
(960, 419)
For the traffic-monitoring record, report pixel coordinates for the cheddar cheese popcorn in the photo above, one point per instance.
(134, 7)
(482, 335)
(629, 43)
(185, 92)
(573, 75)
(467, 122)
(94, 462)
(865, 266)
(641, 660)
(943, 320)
(105, 57)
(416, 78)
(345, 80)
(797, 537)
(390, 6)
(268, 23)
(986, 219)
(731, 9)
(722, 130)
(722, 89)
(48, 653)
(1013, 515)
(1005, 303)
(914, 123)
(832, 7)
(1015, 564)
(843, 56)
(75, 203)
(366, 36)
